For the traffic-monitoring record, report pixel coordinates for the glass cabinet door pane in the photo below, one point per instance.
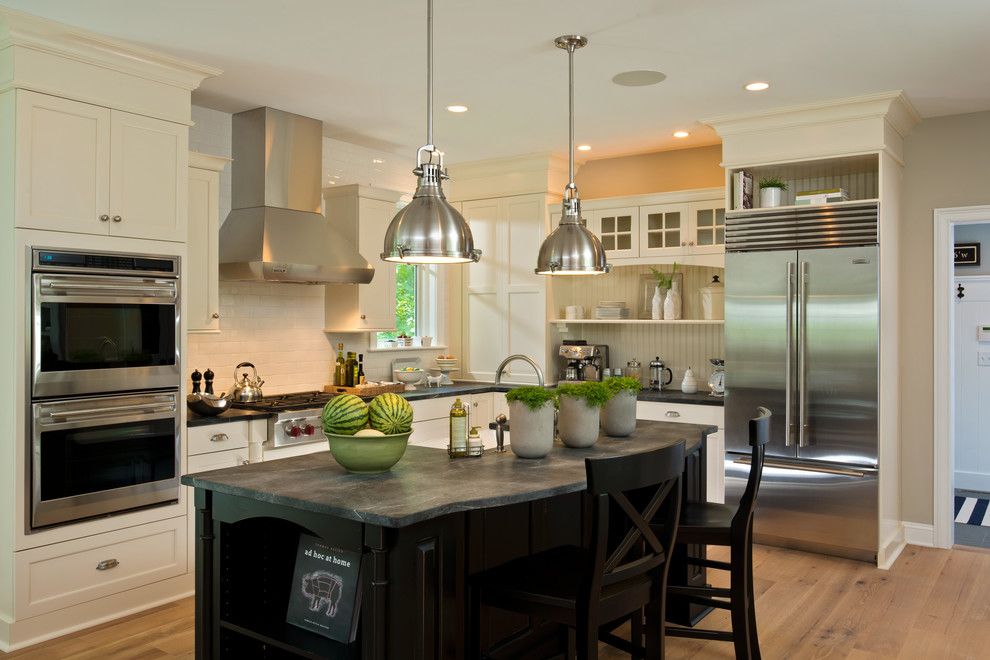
(672, 220)
(624, 241)
(705, 236)
(608, 225)
(705, 218)
(720, 217)
(654, 221)
(720, 236)
(608, 242)
(673, 239)
(624, 223)
(655, 240)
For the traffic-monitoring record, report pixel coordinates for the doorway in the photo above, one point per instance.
(962, 377)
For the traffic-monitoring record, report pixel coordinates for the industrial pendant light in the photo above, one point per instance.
(429, 230)
(571, 249)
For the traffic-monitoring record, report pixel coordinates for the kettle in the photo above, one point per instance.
(657, 369)
(246, 389)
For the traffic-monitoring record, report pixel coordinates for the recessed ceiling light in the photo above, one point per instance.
(681, 134)
(377, 161)
(584, 147)
(639, 78)
(456, 108)
(757, 86)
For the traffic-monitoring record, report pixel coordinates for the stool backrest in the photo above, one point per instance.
(759, 435)
(640, 553)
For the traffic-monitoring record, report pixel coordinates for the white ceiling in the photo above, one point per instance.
(360, 66)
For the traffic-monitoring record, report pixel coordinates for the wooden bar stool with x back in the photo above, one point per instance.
(586, 588)
(720, 524)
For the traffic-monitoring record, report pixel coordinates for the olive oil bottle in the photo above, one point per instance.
(350, 369)
(339, 374)
(458, 446)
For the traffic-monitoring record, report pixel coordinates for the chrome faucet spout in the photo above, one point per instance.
(524, 358)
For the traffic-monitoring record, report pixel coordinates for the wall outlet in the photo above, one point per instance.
(983, 358)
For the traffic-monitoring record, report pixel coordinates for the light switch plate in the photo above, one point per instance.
(983, 358)
(982, 333)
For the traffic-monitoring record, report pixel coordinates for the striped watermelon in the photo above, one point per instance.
(390, 414)
(345, 414)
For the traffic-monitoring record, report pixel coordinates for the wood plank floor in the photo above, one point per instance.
(932, 604)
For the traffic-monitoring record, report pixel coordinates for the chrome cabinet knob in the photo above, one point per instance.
(104, 218)
(672, 413)
(683, 244)
(117, 218)
(364, 317)
(216, 315)
(107, 564)
(219, 437)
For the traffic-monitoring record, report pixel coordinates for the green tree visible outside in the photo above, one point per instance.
(405, 302)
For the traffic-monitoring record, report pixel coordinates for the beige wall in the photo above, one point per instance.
(661, 171)
(947, 164)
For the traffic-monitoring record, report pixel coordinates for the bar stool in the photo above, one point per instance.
(720, 524)
(585, 588)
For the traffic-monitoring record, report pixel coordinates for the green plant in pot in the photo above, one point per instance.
(619, 412)
(580, 412)
(771, 191)
(531, 416)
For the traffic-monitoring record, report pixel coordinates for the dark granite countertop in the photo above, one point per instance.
(426, 484)
(464, 388)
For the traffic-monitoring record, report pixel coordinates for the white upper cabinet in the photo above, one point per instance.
(63, 164)
(664, 230)
(617, 229)
(362, 214)
(88, 169)
(203, 263)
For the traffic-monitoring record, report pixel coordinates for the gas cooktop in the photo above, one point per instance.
(285, 402)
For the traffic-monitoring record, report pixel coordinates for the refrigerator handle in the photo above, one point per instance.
(803, 356)
(788, 352)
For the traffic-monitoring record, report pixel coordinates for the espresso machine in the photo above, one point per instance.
(580, 360)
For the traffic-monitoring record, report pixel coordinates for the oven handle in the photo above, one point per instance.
(111, 289)
(139, 408)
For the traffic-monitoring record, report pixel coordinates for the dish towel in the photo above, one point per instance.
(973, 511)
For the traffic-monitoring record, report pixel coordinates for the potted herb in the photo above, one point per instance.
(619, 413)
(770, 191)
(667, 306)
(531, 416)
(580, 412)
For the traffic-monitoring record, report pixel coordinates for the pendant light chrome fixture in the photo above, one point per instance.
(571, 249)
(429, 230)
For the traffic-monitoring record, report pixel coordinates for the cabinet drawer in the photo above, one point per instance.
(681, 413)
(217, 437)
(425, 409)
(56, 576)
(217, 460)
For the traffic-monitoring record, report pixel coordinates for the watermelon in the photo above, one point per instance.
(390, 414)
(344, 414)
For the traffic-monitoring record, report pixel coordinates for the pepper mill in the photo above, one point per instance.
(208, 379)
(196, 377)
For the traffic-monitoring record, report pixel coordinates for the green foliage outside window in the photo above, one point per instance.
(405, 302)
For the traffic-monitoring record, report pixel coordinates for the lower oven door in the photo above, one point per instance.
(101, 455)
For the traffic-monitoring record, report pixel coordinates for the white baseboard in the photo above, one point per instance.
(978, 481)
(890, 548)
(919, 534)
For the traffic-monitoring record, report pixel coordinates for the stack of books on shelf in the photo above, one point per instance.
(611, 310)
(826, 196)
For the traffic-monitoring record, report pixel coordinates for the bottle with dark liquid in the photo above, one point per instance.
(360, 373)
(350, 369)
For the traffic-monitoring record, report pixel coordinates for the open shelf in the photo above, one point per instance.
(800, 207)
(637, 322)
(858, 175)
(293, 641)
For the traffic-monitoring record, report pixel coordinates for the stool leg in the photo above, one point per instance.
(737, 596)
(754, 640)
(636, 634)
(587, 641)
(655, 628)
(472, 643)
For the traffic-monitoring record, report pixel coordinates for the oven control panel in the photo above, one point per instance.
(295, 428)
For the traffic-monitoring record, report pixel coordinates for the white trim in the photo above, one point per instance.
(943, 452)
(890, 548)
(919, 534)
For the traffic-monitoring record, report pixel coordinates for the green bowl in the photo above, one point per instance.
(368, 454)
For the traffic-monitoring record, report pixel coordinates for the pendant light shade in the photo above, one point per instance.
(429, 230)
(571, 249)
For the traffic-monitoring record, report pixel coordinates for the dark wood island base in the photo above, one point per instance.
(421, 530)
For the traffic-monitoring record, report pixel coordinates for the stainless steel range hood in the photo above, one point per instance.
(275, 231)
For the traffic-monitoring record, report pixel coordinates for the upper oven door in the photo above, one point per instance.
(97, 333)
(101, 455)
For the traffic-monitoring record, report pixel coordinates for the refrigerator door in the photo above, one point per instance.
(760, 347)
(837, 355)
(813, 507)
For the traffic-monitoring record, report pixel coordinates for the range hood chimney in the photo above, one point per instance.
(275, 231)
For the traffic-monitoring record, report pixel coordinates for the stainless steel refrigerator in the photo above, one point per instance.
(801, 338)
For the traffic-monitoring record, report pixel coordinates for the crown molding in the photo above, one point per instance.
(364, 192)
(201, 161)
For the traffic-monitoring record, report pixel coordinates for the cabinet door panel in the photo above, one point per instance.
(377, 298)
(63, 164)
(709, 227)
(618, 230)
(148, 161)
(202, 269)
(484, 336)
(665, 230)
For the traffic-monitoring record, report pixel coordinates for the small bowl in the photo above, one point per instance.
(368, 454)
(409, 377)
(207, 405)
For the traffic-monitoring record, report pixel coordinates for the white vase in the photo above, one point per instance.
(530, 431)
(619, 415)
(672, 305)
(769, 197)
(578, 423)
(657, 310)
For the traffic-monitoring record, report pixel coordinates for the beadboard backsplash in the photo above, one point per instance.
(680, 346)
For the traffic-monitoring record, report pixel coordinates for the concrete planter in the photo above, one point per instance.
(619, 414)
(530, 431)
(578, 422)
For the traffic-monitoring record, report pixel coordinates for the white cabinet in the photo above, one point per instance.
(431, 426)
(88, 169)
(664, 230)
(680, 413)
(362, 214)
(504, 303)
(618, 230)
(202, 291)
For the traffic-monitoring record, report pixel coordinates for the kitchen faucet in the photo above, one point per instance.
(513, 358)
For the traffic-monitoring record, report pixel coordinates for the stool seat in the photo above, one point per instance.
(706, 523)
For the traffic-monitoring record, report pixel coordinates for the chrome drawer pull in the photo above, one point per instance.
(219, 437)
(107, 564)
(672, 413)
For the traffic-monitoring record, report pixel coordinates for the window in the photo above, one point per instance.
(417, 303)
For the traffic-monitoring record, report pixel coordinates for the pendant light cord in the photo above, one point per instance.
(429, 75)
(570, 109)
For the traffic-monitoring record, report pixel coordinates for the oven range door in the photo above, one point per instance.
(102, 455)
(93, 334)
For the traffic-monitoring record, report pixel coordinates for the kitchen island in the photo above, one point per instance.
(420, 529)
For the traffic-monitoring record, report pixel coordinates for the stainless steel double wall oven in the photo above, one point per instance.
(104, 383)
